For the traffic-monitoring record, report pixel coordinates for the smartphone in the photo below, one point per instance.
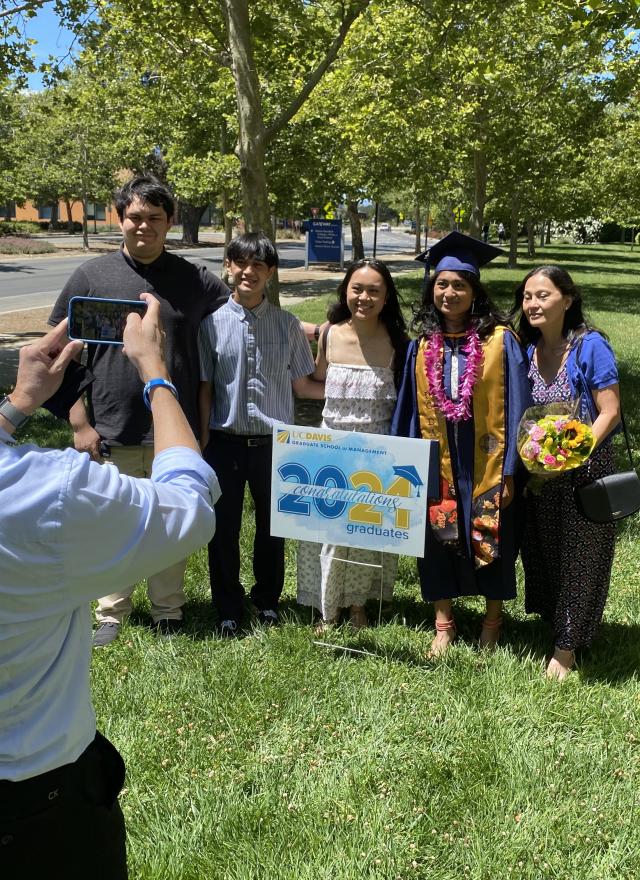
(101, 321)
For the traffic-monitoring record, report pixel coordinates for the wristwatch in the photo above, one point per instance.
(11, 413)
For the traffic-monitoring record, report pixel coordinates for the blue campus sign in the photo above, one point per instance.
(324, 241)
(352, 489)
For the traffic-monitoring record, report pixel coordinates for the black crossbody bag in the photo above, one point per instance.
(613, 497)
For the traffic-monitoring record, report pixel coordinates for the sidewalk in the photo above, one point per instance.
(296, 285)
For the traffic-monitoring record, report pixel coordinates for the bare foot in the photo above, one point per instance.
(358, 618)
(490, 634)
(560, 664)
(443, 639)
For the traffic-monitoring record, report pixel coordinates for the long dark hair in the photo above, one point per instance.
(391, 315)
(484, 315)
(575, 324)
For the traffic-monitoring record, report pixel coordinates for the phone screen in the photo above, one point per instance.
(101, 321)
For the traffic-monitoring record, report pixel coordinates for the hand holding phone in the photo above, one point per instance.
(144, 341)
(101, 321)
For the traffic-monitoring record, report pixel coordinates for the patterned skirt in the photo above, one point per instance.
(567, 558)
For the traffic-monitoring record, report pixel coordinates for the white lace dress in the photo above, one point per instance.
(358, 398)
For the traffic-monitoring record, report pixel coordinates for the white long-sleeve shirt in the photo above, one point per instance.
(69, 529)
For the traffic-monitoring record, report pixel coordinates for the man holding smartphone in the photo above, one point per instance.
(114, 422)
(59, 778)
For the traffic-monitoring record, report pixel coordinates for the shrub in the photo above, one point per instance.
(17, 227)
(585, 231)
(63, 226)
(12, 244)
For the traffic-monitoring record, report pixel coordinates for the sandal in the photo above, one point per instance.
(491, 630)
(442, 643)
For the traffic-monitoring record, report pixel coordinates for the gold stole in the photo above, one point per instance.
(489, 421)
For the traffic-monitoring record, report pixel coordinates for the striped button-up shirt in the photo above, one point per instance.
(251, 357)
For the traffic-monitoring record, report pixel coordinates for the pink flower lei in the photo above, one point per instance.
(458, 410)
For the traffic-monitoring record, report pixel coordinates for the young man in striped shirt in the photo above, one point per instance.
(253, 358)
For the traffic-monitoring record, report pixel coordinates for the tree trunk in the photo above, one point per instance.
(67, 204)
(251, 130)
(427, 224)
(548, 235)
(85, 228)
(531, 241)
(513, 233)
(228, 221)
(357, 246)
(417, 246)
(191, 215)
(476, 220)
(543, 225)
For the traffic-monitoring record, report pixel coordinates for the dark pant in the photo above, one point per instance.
(237, 461)
(66, 824)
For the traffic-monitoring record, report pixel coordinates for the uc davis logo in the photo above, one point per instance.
(282, 436)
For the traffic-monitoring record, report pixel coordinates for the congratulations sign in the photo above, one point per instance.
(352, 489)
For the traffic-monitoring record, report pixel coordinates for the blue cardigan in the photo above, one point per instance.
(597, 368)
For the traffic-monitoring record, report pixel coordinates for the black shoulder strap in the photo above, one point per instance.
(626, 436)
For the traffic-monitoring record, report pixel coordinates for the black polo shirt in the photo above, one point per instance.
(187, 293)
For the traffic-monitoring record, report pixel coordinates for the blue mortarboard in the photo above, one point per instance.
(459, 253)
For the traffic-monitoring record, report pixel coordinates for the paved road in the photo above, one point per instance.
(28, 283)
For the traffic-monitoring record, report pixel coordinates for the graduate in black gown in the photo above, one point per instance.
(465, 385)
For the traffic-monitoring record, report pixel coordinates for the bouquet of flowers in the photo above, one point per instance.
(552, 440)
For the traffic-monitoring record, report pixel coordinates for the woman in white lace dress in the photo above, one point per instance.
(359, 355)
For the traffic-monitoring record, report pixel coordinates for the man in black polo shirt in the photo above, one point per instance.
(115, 423)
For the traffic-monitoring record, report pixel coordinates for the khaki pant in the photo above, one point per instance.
(165, 589)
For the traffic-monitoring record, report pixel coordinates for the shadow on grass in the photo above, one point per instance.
(613, 658)
(623, 300)
(597, 260)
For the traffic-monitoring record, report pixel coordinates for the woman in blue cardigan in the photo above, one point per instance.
(567, 559)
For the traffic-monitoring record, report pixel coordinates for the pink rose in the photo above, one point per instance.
(549, 460)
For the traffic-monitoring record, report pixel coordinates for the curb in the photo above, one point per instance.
(314, 282)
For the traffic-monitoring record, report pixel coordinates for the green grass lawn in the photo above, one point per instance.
(270, 757)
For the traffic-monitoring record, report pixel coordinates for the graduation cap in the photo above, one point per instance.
(459, 253)
(410, 473)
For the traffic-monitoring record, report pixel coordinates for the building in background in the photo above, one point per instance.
(98, 213)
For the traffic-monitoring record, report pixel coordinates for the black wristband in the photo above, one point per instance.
(316, 332)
